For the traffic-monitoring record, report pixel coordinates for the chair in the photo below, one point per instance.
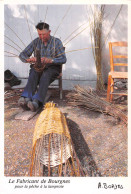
(60, 84)
(113, 74)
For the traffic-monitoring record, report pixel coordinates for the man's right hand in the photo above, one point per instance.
(31, 60)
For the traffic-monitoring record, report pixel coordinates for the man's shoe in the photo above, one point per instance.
(22, 102)
(33, 105)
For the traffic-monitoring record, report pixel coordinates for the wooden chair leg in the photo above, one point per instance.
(60, 88)
(112, 89)
(108, 87)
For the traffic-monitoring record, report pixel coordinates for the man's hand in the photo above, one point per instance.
(31, 60)
(46, 60)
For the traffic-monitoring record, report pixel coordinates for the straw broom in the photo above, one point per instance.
(87, 98)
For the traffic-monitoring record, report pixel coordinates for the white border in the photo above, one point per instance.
(77, 185)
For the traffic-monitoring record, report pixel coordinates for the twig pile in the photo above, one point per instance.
(88, 99)
(11, 93)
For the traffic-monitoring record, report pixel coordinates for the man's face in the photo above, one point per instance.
(44, 34)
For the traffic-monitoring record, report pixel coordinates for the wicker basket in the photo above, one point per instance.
(52, 143)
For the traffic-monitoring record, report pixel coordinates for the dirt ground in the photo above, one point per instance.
(100, 141)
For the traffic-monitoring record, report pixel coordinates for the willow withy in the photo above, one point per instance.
(88, 99)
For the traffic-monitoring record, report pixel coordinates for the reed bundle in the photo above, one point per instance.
(52, 145)
(96, 37)
(96, 33)
(88, 99)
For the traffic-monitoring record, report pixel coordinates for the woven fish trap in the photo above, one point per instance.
(52, 145)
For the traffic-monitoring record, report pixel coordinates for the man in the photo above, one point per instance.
(52, 57)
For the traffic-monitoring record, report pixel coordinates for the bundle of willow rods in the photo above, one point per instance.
(38, 66)
(88, 99)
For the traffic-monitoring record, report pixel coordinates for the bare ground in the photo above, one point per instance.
(100, 140)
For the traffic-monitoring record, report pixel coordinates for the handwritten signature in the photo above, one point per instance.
(109, 186)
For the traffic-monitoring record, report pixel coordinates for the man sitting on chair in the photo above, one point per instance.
(52, 55)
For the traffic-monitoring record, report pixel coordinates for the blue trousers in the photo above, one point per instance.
(44, 79)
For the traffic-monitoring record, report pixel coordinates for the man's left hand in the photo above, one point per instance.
(46, 60)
